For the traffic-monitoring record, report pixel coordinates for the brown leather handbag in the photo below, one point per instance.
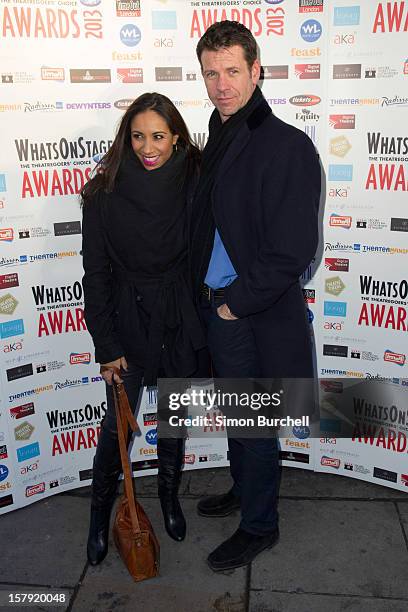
(132, 531)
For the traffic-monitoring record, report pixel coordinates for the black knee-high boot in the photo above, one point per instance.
(106, 471)
(170, 452)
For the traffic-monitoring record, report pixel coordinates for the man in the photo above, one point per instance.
(254, 230)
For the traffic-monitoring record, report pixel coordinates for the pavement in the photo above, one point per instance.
(343, 547)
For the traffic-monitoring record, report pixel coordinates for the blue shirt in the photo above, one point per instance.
(220, 271)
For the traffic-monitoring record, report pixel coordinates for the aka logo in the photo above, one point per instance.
(13, 346)
(27, 469)
(164, 42)
(151, 437)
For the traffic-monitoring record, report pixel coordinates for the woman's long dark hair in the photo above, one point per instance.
(121, 146)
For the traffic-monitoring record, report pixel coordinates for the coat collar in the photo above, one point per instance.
(255, 119)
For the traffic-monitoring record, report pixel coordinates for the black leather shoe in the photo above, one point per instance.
(218, 505)
(174, 520)
(240, 549)
(98, 535)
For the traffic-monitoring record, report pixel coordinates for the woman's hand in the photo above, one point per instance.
(107, 372)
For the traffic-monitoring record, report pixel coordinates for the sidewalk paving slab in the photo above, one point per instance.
(43, 544)
(340, 547)
(185, 584)
(263, 601)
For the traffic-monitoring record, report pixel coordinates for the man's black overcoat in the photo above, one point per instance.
(265, 205)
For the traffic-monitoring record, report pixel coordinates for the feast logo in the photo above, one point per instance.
(391, 17)
(398, 358)
(389, 177)
(76, 440)
(268, 21)
(27, 22)
(380, 315)
(61, 321)
(45, 183)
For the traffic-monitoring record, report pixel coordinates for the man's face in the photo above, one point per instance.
(229, 81)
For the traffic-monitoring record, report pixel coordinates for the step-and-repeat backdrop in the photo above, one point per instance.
(337, 70)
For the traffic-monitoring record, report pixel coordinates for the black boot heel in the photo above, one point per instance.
(97, 547)
(174, 520)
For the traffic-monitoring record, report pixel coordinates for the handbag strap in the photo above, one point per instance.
(124, 417)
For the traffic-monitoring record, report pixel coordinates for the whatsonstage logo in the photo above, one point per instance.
(56, 168)
(384, 303)
(266, 20)
(30, 22)
(64, 305)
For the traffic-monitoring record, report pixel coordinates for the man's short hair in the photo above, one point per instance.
(225, 34)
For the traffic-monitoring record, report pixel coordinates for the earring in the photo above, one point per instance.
(175, 147)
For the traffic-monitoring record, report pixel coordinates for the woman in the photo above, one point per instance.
(138, 307)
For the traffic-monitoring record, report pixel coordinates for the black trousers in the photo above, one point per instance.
(254, 462)
(107, 456)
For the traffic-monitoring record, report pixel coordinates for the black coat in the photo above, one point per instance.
(143, 313)
(265, 205)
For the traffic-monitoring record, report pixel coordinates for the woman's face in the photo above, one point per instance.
(151, 139)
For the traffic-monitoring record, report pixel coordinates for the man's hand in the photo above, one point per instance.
(225, 313)
(107, 370)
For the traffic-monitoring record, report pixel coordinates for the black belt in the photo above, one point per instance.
(210, 294)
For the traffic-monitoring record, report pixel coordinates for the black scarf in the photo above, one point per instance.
(153, 204)
(221, 136)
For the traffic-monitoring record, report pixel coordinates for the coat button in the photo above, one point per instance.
(139, 298)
